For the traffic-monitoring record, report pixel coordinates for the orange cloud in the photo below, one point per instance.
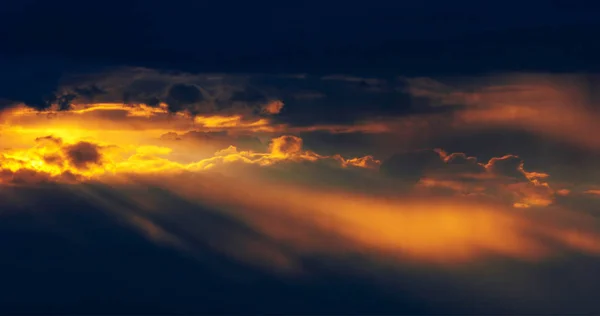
(555, 106)
(51, 158)
(285, 146)
(132, 110)
(112, 121)
(273, 107)
(54, 157)
(228, 122)
(425, 229)
(143, 139)
(368, 162)
(133, 153)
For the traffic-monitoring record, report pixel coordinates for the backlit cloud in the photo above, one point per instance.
(365, 174)
(558, 106)
(503, 178)
(53, 158)
(440, 230)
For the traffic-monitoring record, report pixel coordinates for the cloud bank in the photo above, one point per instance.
(274, 172)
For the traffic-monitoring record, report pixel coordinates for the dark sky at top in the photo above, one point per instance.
(297, 35)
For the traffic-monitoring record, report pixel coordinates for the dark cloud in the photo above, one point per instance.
(346, 144)
(28, 177)
(293, 100)
(64, 101)
(89, 93)
(563, 161)
(32, 82)
(502, 179)
(145, 91)
(153, 102)
(40, 83)
(250, 99)
(410, 166)
(510, 166)
(83, 154)
(54, 159)
(24, 176)
(341, 102)
(50, 138)
(580, 202)
(182, 92)
(181, 97)
(463, 164)
(170, 136)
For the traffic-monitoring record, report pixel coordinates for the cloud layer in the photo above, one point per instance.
(273, 171)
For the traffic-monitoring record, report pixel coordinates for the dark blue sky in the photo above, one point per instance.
(295, 35)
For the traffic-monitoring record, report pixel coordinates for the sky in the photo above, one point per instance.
(161, 157)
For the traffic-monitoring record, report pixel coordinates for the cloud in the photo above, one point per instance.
(435, 93)
(144, 91)
(565, 162)
(281, 150)
(284, 174)
(561, 107)
(89, 92)
(222, 110)
(86, 160)
(202, 229)
(285, 146)
(216, 140)
(194, 94)
(460, 163)
(34, 84)
(507, 166)
(262, 193)
(433, 229)
(83, 154)
(273, 107)
(593, 192)
(184, 97)
(546, 120)
(501, 178)
(181, 92)
(410, 166)
(261, 103)
(23, 176)
(51, 159)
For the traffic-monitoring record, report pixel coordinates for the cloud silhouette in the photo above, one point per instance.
(503, 178)
(89, 93)
(82, 154)
(410, 166)
(182, 97)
